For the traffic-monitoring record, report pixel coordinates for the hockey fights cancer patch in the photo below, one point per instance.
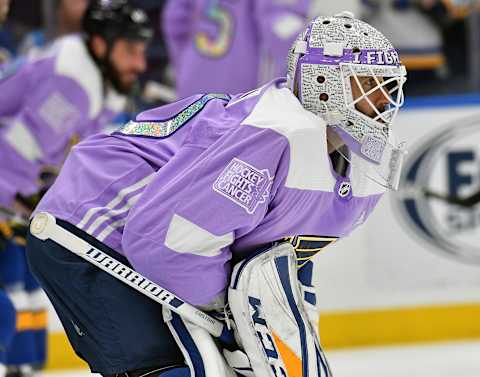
(244, 184)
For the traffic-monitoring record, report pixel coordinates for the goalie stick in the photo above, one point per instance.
(44, 227)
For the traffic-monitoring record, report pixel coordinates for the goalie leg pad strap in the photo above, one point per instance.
(273, 326)
(198, 347)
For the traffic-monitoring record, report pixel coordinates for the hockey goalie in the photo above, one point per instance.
(223, 200)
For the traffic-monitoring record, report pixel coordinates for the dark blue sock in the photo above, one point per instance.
(7, 324)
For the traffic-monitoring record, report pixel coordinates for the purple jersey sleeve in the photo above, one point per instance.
(179, 232)
(14, 78)
(55, 112)
(43, 119)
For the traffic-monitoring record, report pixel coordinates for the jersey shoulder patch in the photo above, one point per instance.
(163, 128)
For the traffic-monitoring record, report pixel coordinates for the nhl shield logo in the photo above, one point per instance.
(344, 189)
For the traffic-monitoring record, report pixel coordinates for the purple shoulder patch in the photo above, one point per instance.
(244, 184)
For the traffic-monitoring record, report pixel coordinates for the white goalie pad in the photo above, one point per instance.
(201, 353)
(273, 327)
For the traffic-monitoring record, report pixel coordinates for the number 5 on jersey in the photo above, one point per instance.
(216, 46)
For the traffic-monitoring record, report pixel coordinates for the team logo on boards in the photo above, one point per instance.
(440, 190)
(244, 184)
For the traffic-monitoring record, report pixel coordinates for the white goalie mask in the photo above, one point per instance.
(349, 73)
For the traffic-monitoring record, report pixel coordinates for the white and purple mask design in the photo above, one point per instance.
(327, 59)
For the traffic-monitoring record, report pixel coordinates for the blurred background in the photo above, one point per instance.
(438, 39)
(401, 296)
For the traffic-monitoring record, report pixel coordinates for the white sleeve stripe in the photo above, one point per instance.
(183, 236)
(110, 228)
(113, 213)
(115, 201)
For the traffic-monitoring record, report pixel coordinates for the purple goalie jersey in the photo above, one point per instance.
(45, 103)
(186, 187)
(230, 46)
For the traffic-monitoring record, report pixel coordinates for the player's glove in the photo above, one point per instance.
(24, 206)
(5, 234)
(27, 204)
(13, 230)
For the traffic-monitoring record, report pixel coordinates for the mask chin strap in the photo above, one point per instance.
(389, 177)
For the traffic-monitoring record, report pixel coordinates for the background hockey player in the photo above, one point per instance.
(4, 5)
(69, 92)
(230, 46)
(7, 311)
(186, 190)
